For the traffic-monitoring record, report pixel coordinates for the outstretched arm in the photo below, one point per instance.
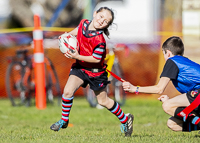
(158, 89)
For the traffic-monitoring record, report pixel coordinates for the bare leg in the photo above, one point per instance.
(114, 108)
(103, 99)
(72, 85)
(170, 105)
(175, 124)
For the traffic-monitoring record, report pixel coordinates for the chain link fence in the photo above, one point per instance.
(137, 26)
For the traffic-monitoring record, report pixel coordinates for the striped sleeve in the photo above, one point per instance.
(99, 51)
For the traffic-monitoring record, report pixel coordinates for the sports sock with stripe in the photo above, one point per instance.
(66, 107)
(195, 120)
(191, 124)
(119, 113)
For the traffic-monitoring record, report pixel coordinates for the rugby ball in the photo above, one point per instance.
(67, 42)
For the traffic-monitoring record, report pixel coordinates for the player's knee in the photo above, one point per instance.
(102, 102)
(67, 93)
(166, 107)
(102, 98)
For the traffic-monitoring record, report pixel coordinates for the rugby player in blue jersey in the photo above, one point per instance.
(185, 76)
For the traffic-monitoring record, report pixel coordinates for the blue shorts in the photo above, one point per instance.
(96, 83)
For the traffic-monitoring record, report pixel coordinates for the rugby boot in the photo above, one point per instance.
(58, 125)
(127, 128)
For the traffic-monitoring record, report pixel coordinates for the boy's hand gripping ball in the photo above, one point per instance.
(68, 42)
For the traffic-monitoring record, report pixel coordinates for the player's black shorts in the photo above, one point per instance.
(191, 95)
(96, 83)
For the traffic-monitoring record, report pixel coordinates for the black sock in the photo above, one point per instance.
(191, 124)
(188, 127)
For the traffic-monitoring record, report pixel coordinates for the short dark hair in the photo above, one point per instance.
(175, 45)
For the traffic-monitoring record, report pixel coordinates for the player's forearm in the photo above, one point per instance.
(89, 59)
(157, 89)
(149, 89)
(127, 86)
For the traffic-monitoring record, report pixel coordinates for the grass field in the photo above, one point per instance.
(90, 125)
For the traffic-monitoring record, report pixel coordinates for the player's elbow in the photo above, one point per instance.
(159, 90)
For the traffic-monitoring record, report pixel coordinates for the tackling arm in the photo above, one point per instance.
(157, 89)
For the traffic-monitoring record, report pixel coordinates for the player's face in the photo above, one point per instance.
(102, 19)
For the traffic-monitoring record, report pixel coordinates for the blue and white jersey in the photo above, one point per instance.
(184, 73)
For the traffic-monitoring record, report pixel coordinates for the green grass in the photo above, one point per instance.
(90, 125)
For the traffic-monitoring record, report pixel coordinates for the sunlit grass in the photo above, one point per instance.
(28, 124)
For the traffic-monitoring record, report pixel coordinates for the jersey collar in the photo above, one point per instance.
(90, 33)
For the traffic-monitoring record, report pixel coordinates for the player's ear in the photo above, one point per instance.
(94, 14)
(169, 53)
